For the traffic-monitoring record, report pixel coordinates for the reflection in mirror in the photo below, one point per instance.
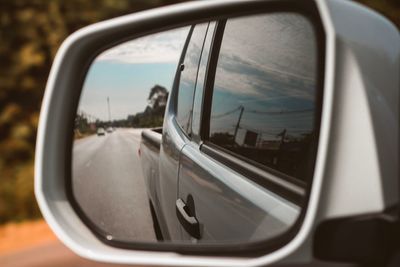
(125, 91)
(233, 158)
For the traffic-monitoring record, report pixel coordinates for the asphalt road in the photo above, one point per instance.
(109, 186)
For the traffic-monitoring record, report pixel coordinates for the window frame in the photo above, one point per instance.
(187, 134)
(255, 171)
(197, 137)
(243, 250)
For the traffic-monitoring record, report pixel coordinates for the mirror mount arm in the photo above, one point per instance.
(366, 239)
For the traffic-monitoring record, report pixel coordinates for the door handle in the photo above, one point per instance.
(188, 221)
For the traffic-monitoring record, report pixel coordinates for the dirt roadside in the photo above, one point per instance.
(19, 236)
(32, 244)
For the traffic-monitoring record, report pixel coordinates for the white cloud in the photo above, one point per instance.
(156, 48)
(281, 61)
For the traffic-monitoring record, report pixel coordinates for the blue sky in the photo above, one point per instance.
(127, 72)
(127, 86)
(272, 77)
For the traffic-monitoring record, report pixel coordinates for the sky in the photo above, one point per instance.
(270, 71)
(126, 73)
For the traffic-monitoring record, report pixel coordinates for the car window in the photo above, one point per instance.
(264, 96)
(198, 98)
(188, 76)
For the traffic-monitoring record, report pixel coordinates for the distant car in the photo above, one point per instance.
(100, 131)
(110, 130)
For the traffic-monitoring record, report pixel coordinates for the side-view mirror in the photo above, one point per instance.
(220, 133)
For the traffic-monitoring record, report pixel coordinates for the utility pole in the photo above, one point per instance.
(109, 111)
(238, 123)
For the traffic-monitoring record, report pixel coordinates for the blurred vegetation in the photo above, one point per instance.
(30, 33)
(151, 117)
(388, 8)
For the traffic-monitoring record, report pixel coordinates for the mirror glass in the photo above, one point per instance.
(205, 134)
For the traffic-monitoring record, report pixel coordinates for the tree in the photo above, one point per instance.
(31, 31)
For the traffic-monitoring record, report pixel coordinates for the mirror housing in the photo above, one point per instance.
(360, 113)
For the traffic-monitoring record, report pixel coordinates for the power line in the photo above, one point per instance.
(226, 113)
(263, 112)
(280, 112)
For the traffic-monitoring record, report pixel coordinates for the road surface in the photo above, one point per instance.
(108, 184)
(110, 187)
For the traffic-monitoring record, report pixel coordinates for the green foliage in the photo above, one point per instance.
(151, 117)
(31, 31)
(150, 121)
(83, 127)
